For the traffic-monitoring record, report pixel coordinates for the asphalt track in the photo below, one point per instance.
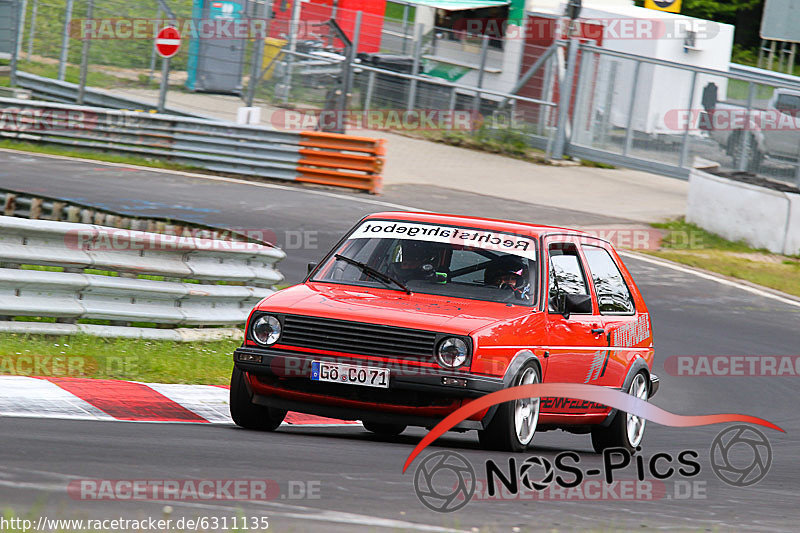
(360, 480)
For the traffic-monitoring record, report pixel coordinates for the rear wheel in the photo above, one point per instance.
(247, 414)
(626, 430)
(514, 424)
(385, 430)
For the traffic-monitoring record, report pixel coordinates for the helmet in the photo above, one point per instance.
(509, 272)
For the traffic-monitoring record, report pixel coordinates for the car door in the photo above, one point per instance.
(575, 343)
(627, 330)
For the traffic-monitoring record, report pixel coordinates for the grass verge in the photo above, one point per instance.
(94, 155)
(691, 245)
(83, 356)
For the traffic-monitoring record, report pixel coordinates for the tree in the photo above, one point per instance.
(745, 15)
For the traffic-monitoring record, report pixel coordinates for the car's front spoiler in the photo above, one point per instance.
(419, 378)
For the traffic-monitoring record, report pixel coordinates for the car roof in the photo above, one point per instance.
(534, 230)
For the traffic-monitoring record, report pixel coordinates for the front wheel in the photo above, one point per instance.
(514, 424)
(248, 415)
(626, 430)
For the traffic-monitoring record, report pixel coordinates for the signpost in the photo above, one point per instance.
(168, 41)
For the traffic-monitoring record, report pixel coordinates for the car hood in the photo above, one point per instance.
(396, 308)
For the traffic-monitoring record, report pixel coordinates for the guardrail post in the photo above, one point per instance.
(564, 96)
(62, 62)
(751, 94)
(85, 56)
(685, 141)
(412, 88)
(631, 108)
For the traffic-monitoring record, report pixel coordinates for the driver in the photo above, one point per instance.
(510, 273)
(413, 260)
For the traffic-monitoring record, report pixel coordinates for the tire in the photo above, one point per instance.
(385, 430)
(248, 415)
(618, 434)
(507, 432)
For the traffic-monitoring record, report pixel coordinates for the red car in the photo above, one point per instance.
(411, 315)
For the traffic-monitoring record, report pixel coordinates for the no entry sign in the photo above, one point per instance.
(168, 41)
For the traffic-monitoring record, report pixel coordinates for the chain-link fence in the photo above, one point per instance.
(665, 115)
(338, 69)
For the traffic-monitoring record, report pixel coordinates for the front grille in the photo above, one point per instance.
(356, 337)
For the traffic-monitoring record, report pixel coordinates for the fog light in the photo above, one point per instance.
(248, 358)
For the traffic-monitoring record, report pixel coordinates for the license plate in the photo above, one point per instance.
(350, 374)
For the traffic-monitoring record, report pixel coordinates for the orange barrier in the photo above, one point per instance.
(341, 160)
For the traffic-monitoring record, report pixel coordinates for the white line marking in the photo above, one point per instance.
(711, 277)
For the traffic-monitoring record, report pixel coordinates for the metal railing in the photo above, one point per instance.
(315, 157)
(126, 276)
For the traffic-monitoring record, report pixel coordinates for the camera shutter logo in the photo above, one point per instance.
(445, 496)
(732, 442)
(525, 473)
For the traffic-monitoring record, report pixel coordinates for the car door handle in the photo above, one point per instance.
(598, 331)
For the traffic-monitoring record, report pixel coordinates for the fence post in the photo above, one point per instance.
(21, 26)
(631, 109)
(162, 90)
(685, 142)
(32, 32)
(287, 77)
(85, 56)
(751, 94)
(405, 27)
(476, 105)
(412, 89)
(370, 90)
(584, 79)
(564, 96)
(153, 51)
(258, 55)
(62, 62)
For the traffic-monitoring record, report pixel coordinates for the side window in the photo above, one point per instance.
(613, 295)
(566, 273)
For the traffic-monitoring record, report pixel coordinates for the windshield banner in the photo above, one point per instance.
(471, 238)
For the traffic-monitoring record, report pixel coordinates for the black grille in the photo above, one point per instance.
(356, 337)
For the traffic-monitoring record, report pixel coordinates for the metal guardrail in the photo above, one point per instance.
(67, 93)
(312, 157)
(186, 291)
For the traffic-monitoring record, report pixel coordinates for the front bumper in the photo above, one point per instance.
(282, 364)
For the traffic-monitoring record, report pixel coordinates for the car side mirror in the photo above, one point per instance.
(311, 267)
(577, 303)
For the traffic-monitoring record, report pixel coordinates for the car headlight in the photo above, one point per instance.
(266, 330)
(452, 352)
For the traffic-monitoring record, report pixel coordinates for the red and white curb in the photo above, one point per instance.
(105, 399)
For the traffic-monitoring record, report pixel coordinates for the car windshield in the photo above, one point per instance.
(434, 259)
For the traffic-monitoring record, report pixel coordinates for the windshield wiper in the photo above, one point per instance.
(371, 271)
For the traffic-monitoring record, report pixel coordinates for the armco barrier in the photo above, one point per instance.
(186, 291)
(313, 157)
